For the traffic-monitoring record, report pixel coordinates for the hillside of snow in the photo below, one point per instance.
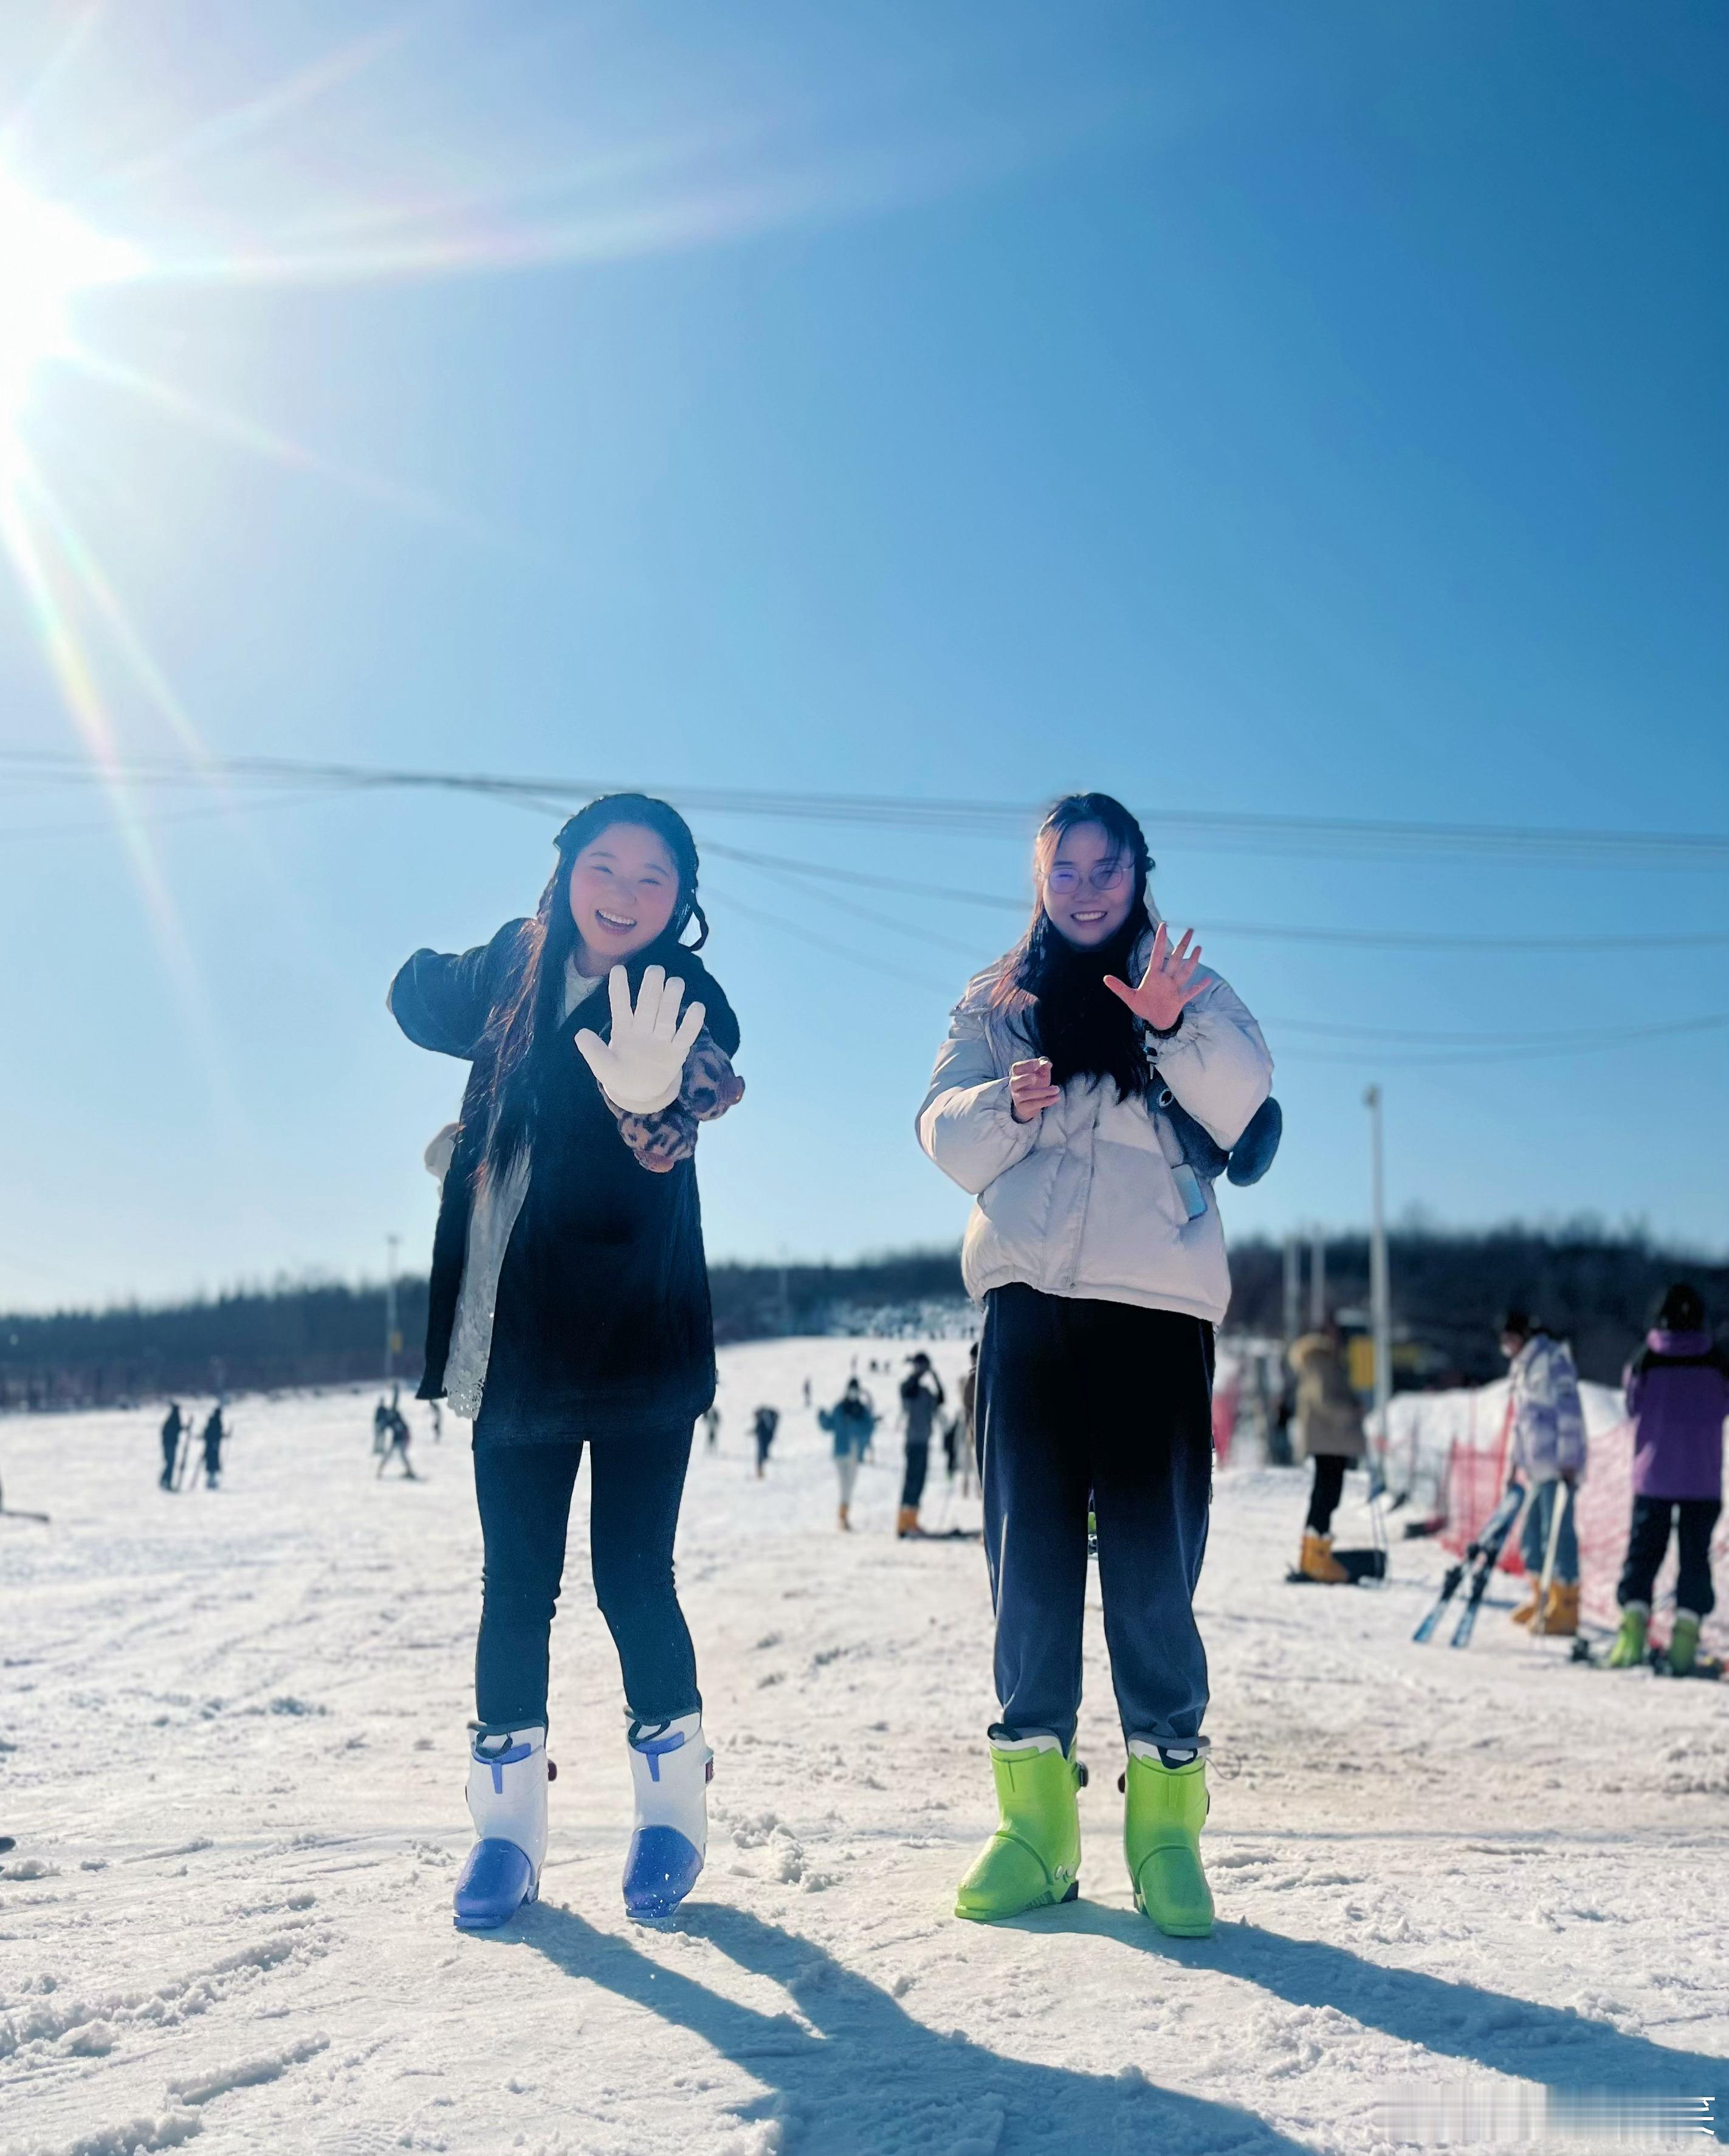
(1458, 1891)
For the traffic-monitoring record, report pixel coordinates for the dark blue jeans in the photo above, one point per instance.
(1649, 1543)
(1081, 1400)
(636, 1486)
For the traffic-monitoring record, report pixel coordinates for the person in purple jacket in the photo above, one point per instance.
(1678, 1396)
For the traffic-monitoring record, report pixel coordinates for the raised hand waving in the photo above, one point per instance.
(641, 1067)
(1168, 987)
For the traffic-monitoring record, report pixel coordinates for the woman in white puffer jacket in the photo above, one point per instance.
(1096, 1250)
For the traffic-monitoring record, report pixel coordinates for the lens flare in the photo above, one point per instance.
(47, 254)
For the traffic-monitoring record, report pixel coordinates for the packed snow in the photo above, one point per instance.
(1457, 1890)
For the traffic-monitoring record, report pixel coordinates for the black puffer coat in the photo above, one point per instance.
(602, 1325)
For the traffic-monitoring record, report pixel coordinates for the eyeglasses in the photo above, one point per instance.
(1108, 876)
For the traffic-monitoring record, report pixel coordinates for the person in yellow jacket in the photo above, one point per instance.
(1329, 1424)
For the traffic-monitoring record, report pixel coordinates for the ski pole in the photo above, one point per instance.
(1540, 1620)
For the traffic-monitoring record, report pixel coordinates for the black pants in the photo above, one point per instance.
(1329, 1487)
(1077, 1398)
(918, 1467)
(1649, 1543)
(635, 1488)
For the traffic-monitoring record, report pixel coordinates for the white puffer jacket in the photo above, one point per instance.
(1087, 1201)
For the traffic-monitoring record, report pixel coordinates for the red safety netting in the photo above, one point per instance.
(1477, 1475)
(1224, 1420)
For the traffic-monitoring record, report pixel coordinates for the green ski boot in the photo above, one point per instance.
(1683, 1644)
(1628, 1652)
(1162, 1839)
(1034, 1858)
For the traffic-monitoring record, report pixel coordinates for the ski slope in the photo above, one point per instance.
(232, 1732)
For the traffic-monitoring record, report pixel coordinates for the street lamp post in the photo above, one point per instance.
(391, 1335)
(1380, 1294)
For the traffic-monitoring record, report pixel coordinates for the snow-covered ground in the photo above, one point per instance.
(230, 1747)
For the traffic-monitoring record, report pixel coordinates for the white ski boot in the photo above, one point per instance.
(508, 1774)
(670, 1767)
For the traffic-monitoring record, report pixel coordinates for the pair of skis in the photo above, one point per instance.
(1476, 1566)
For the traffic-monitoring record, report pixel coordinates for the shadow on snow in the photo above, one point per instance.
(1553, 2046)
(867, 2076)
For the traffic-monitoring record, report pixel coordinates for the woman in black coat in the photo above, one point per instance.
(569, 1307)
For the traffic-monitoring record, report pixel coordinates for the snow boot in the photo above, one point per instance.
(1683, 1644)
(1526, 1614)
(670, 1769)
(1628, 1650)
(1317, 1560)
(845, 1519)
(508, 1774)
(1034, 1858)
(1561, 1614)
(1162, 1839)
(907, 1523)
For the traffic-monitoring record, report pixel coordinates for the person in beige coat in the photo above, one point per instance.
(1097, 1252)
(1329, 1424)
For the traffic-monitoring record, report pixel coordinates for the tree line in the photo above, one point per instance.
(1450, 1289)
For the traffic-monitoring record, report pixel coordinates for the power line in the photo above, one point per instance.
(1342, 837)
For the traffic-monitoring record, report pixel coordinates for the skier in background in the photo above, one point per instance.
(397, 1436)
(763, 1426)
(922, 1394)
(1678, 1396)
(438, 1422)
(850, 1422)
(1329, 1421)
(214, 1432)
(1548, 1457)
(381, 1428)
(173, 1425)
(711, 1423)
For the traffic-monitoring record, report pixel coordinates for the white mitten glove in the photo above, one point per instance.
(641, 1068)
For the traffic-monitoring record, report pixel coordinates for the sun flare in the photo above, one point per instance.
(47, 253)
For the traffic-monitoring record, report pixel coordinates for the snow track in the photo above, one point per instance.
(236, 1782)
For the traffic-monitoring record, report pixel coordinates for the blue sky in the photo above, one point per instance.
(1309, 412)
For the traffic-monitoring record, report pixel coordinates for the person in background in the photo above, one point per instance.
(173, 1423)
(764, 1425)
(381, 1428)
(922, 1394)
(1548, 1457)
(1329, 1423)
(969, 1420)
(1677, 1396)
(712, 1425)
(850, 1422)
(397, 1436)
(438, 1421)
(214, 1432)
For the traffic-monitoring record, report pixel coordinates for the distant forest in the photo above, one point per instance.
(1449, 1291)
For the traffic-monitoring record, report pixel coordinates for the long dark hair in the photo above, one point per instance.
(1057, 992)
(525, 1021)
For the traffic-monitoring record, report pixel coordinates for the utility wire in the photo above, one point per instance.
(1269, 932)
(1344, 837)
